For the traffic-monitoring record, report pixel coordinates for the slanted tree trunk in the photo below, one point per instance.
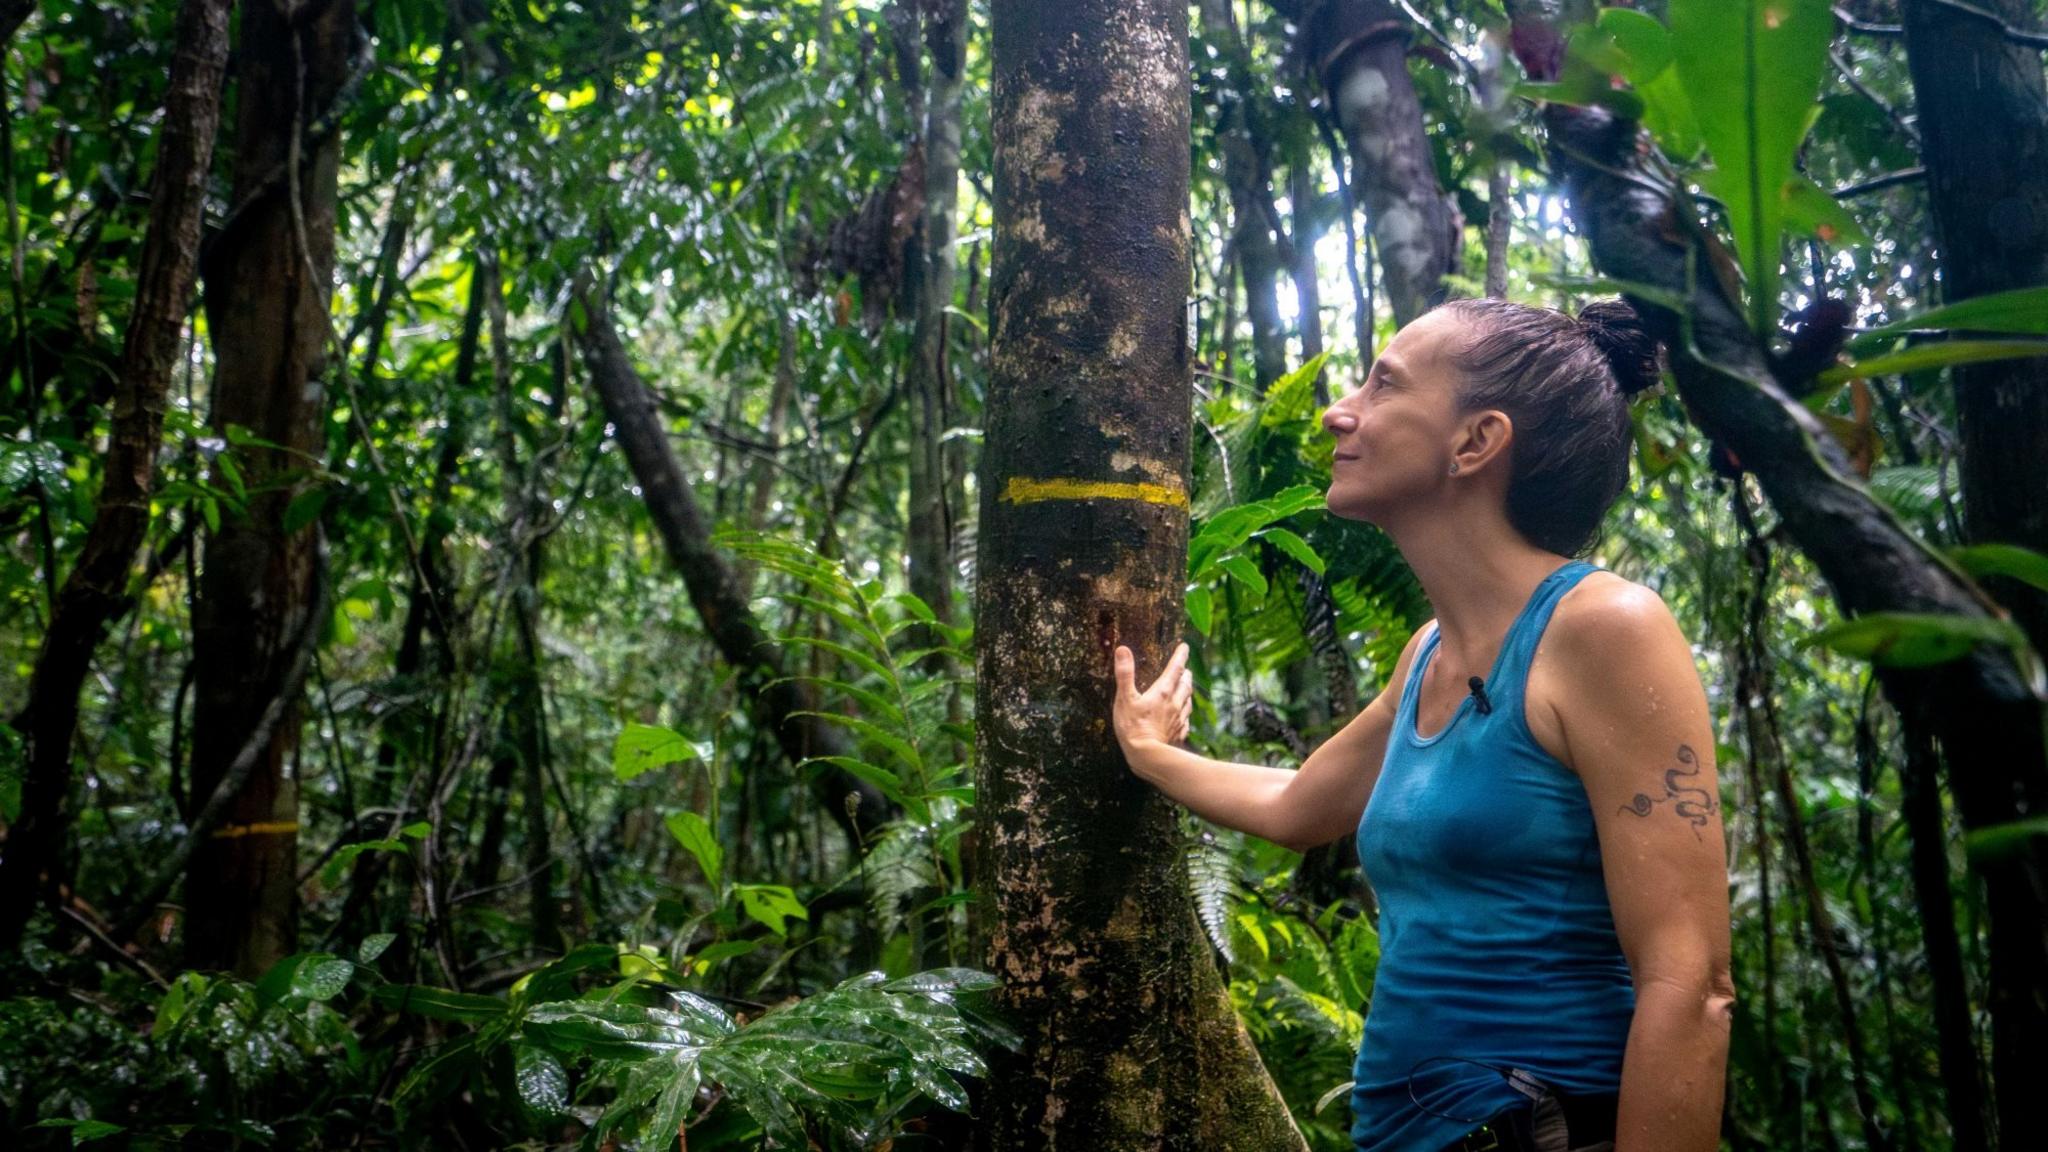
(1983, 111)
(268, 289)
(931, 520)
(1359, 48)
(1979, 708)
(1129, 1039)
(714, 590)
(95, 593)
(13, 14)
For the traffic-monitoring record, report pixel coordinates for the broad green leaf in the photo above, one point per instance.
(772, 905)
(2020, 312)
(440, 1003)
(374, 946)
(1986, 845)
(543, 1082)
(694, 833)
(1752, 71)
(1244, 571)
(1914, 639)
(322, 977)
(1292, 544)
(1201, 610)
(1938, 354)
(642, 748)
(2010, 560)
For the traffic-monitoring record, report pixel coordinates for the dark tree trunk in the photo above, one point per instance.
(931, 519)
(714, 590)
(1983, 110)
(13, 14)
(268, 289)
(1359, 48)
(95, 593)
(1129, 1039)
(1927, 827)
(1979, 708)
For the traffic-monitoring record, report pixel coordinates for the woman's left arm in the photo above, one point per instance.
(1635, 721)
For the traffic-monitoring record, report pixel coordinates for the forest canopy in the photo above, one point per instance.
(511, 547)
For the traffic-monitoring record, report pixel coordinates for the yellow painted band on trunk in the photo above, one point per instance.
(269, 828)
(1023, 490)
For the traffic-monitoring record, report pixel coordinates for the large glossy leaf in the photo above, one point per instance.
(645, 747)
(2009, 560)
(694, 833)
(1751, 71)
(2020, 312)
(1914, 639)
(1940, 354)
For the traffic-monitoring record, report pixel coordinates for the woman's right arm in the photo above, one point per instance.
(1299, 810)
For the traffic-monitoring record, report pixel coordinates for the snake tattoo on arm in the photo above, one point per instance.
(1695, 805)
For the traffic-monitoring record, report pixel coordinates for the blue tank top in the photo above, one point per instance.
(1497, 944)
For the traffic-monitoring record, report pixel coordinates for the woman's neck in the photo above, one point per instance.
(1478, 573)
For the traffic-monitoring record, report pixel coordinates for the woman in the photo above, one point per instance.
(1536, 804)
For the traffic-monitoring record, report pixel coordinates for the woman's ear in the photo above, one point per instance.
(1483, 439)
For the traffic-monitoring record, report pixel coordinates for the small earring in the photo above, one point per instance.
(1454, 467)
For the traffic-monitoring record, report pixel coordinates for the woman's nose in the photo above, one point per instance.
(1337, 422)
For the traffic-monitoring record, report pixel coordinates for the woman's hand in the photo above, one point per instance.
(1159, 714)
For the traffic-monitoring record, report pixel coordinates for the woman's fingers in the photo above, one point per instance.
(1174, 668)
(1184, 688)
(1126, 672)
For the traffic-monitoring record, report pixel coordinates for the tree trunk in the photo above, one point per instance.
(714, 590)
(1258, 256)
(931, 520)
(1129, 1039)
(1979, 707)
(268, 289)
(95, 594)
(1927, 828)
(1984, 137)
(1359, 48)
(15, 13)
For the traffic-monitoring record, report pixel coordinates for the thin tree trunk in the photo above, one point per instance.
(95, 593)
(931, 520)
(1760, 725)
(1258, 255)
(720, 602)
(1129, 1039)
(1955, 1031)
(269, 276)
(1359, 48)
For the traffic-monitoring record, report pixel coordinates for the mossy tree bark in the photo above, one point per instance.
(1130, 1040)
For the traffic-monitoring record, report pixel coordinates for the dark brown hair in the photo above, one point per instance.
(1566, 383)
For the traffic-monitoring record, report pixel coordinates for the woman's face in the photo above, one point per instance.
(1394, 436)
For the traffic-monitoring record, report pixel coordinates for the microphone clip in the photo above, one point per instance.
(1478, 687)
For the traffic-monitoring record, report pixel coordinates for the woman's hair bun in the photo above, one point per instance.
(1618, 330)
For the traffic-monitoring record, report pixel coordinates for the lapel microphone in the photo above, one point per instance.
(1478, 687)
